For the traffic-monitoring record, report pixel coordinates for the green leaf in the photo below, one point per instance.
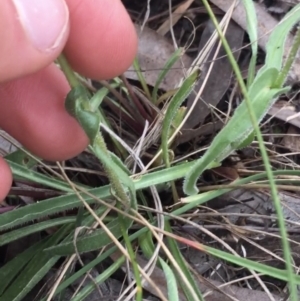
(252, 265)
(31, 212)
(90, 122)
(36, 177)
(173, 246)
(276, 42)
(141, 78)
(79, 93)
(247, 141)
(51, 206)
(77, 104)
(185, 89)
(171, 281)
(24, 231)
(21, 158)
(89, 288)
(92, 239)
(14, 267)
(146, 244)
(35, 270)
(83, 271)
(262, 95)
(252, 32)
(115, 173)
(167, 67)
(119, 163)
(48, 207)
(97, 99)
(90, 242)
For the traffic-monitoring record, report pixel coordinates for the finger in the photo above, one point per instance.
(33, 112)
(102, 42)
(5, 179)
(33, 33)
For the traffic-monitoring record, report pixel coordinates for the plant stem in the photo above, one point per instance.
(141, 78)
(67, 70)
(98, 144)
(100, 150)
(135, 268)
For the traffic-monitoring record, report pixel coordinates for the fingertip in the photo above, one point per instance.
(107, 43)
(5, 179)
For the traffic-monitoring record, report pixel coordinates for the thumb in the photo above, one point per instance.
(33, 33)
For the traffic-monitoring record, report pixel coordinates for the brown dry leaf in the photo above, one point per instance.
(292, 139)
(258, 202)
(227, 172)
(220, 75)
(153, 53)
(284, 111)
(176, 15)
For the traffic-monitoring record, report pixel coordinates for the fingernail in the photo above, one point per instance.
(44, 21)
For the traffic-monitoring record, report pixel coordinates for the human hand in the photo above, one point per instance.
(99, 42)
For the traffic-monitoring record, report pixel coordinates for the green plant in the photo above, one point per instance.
(125, 192)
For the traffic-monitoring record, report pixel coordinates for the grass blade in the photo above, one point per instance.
(90, 242)
(276, 42)
(35, 270)
(177, 100)
(252, 32)
(14, 267)
(171, 281)
(181, 262)
(88, 289)
(62, 203)
(24, 231)
(171, 61)
(23, 173)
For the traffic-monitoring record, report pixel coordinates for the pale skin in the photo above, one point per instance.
(99, 41)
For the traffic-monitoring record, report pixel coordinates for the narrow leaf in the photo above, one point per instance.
(35, 270)
(89, 242)
(177, 100)
(276, 42)
(252, 32)
(171, 281)
(25, 231)
(14, 267)
(171, 61)
(262, 96)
